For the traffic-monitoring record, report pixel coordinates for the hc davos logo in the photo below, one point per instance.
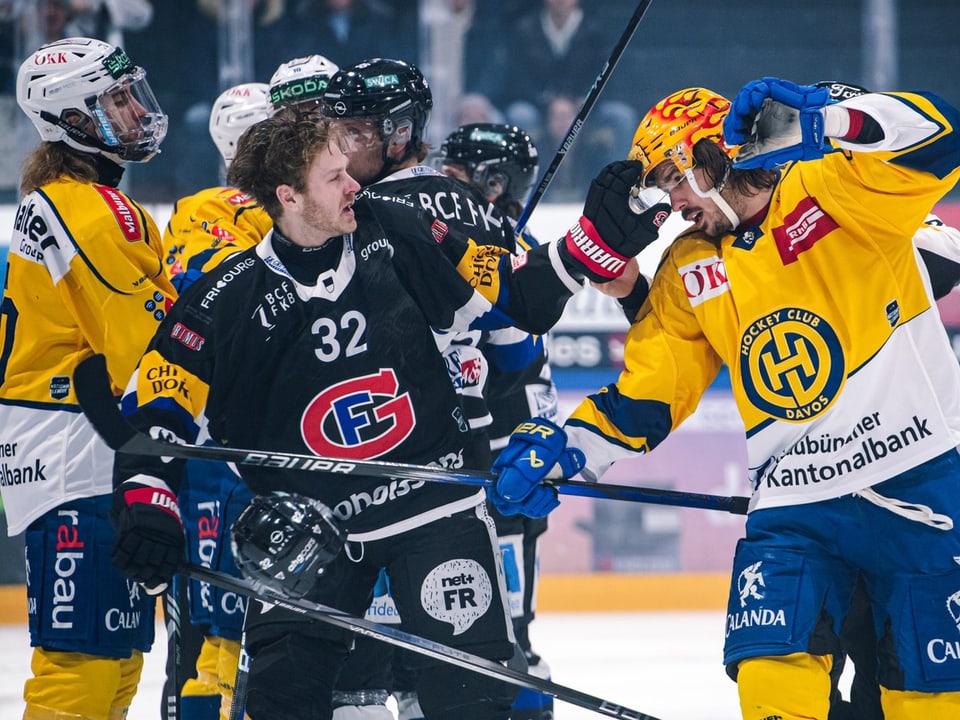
(791, 364)
(363, 417)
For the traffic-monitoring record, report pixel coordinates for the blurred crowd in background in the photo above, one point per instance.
(526, 62)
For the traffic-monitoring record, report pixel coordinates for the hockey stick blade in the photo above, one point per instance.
(92, 387)
(414, 643)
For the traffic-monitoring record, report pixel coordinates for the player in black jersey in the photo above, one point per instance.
(319, 340)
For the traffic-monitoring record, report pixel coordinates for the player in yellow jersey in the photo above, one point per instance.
(84, 276)
(801, 274)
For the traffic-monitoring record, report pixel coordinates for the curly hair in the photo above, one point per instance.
(279, 151)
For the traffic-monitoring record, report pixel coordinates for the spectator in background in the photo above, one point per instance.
(567, 183)
(349, 30)
(475, 108)
(184, 83)
(558, 50)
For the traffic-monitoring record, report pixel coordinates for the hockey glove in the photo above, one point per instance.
(149, 546)
(775, 121)
(609, 233)
(536, 447)
(284, 542)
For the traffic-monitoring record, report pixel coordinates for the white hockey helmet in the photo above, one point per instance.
(89, 95)
(300, 81)
(236, 109)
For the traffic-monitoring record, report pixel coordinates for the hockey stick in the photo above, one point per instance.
(413, 643)
(92, 386)
(585, 108)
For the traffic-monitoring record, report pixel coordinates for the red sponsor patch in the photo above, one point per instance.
(239, 198)
(471, 372)
(518, 261)
(184, 335)
(802, 229)
(127, 218)
(439, 230)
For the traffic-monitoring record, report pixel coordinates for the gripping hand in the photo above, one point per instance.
(609, 233)
(775, 121)
(535, 448)
(149, 545)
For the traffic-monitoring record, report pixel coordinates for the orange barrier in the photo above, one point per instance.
(592, 592)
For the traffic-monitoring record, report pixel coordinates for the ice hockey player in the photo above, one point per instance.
(384, 105)
(501, 161)
(84, 276)
(851, 473)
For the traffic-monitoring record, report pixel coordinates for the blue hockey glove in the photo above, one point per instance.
(150, 544)
(610, 232)
(775, 121)
(535, 448)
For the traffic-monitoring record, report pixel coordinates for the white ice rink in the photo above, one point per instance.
(667, 665)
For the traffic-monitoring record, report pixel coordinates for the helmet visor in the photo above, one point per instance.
(128, 117)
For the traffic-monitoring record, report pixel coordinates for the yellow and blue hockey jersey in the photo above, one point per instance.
(840, 366)
(208, 226)
(84, 276)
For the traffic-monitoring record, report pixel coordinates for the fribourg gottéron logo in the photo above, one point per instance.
(791, 364)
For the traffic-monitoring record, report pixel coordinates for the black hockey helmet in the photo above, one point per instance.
(284, 542)
(392, 92)
(494, 154)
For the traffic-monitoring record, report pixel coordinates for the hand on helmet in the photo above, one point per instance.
(775, 121)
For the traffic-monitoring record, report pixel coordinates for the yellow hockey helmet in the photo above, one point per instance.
(674, 125)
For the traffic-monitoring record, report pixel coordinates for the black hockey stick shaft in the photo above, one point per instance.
(92, 386)
(588, 102)
(413, 643)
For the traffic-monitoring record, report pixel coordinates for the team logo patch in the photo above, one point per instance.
(363, 417)
(59, 387)
(126, 216)
(791, 364)
(457, 592)
(801, 229)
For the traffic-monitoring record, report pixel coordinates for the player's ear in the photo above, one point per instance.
(286, 195)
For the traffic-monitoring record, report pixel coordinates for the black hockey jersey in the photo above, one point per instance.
(346, 368)
(416, 200)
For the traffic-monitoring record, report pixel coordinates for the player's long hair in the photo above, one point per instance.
(52, 160)
(718, 166)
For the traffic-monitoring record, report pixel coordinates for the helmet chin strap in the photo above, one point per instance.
(714, 195)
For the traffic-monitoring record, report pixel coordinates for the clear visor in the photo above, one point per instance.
(643, 198)
(358, 134)
(128, 117)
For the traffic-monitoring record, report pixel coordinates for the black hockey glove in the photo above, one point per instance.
(609, 233)
(150, 545)
(284, 542)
